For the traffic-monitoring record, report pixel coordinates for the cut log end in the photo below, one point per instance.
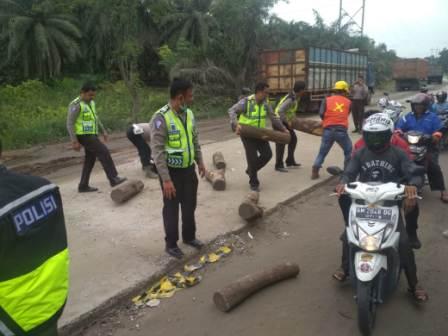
(236, 292)
(218, 160)
(126, 191)
(250, 211)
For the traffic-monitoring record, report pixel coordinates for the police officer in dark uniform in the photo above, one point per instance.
(34, 258)
(175, 149)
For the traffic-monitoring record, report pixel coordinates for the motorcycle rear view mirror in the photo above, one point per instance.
(334, 170)
(386, 94)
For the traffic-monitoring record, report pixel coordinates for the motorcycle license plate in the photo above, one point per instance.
(374, 214)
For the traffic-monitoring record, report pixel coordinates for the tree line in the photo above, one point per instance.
(144, 42)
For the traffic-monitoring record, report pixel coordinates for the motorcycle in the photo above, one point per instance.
(392, 108)
(373, 241)
(444, 139)
(419, 144)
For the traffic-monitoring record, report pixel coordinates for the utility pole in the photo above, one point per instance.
(352, 18)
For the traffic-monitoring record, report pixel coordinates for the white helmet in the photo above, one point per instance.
(377, 131)
(383, 102)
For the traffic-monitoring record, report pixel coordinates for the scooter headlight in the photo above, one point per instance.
(370, 243)
(413, 139)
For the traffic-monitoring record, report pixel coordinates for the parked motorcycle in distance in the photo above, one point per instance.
(392, 108)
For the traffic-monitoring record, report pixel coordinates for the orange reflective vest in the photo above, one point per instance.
(337, 111)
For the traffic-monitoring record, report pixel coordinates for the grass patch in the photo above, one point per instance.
(34, 113)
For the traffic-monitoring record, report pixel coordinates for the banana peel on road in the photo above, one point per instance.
(167, 286)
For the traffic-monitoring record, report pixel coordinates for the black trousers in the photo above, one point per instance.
(358, 112)
(406, 253)
(258, 154)
(144, 151)
(434, 172)
(94, 149)
(185, 181)
(280, 150)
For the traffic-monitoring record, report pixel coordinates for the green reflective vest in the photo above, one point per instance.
(291, 112)
(87, 121)
(34, 258)
(254, 114)
(179, 144)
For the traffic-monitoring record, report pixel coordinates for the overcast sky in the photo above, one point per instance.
(412, 28)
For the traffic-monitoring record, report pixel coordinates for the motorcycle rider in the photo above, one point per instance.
(379, 161)
(411, 216)
(422, 120)
(441, 106)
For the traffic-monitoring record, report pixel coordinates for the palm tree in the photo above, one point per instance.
(190, 21)
(42, 39)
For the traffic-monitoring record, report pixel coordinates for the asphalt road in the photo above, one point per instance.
(305, 231)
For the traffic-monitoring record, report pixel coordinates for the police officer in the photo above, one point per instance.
(286, 110)
(83, 126)
(34, 258)
(175, 148)
(139, 135)
(253, 111)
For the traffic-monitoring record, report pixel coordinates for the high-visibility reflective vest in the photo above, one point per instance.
(337, 111)
(179, 144)
(34, 258)
(254, 114)
(291, 112)
(87, 121)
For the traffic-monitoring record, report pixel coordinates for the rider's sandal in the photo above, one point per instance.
(444, 198)
(340, 275)
(419, 294)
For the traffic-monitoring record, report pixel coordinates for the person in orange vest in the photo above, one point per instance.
(334, 112)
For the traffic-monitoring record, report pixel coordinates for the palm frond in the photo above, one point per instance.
(40, 37)
(66, 26)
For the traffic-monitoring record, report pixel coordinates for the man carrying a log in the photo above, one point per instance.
(139, 135)
(286, 110)
(334, 112)
(175, 147)
(253, 111)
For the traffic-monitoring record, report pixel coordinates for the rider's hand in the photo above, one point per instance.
(340, 188)
(169, 191)
(105, 137)
(435, 138)
(410, 192)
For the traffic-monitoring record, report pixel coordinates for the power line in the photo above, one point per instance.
(352, 18)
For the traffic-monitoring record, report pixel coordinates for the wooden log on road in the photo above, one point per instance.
(216, 178)
(232, 295)
(265, 134)
(126, 191)
(309, 126)
(249, 208)
(218, 160)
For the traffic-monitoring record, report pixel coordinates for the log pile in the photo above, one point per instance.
(235, 293)
(309, 126)
(126, 191)
(249, 208)
(265, 134)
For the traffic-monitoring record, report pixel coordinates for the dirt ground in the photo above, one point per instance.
(305, 231)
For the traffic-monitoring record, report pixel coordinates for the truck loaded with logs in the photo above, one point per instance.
(319, 68)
